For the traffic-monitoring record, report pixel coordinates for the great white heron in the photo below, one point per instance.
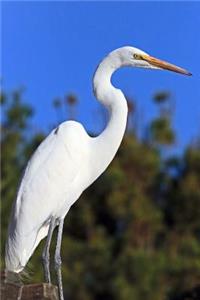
(66, 163)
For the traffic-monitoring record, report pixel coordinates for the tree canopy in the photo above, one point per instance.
(134, 234)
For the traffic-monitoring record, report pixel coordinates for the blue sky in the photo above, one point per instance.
(52, 48)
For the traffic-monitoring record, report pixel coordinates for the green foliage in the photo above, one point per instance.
(134, 234)
(161, 97)
(161, 131)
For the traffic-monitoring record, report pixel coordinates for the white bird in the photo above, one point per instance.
(66, 163)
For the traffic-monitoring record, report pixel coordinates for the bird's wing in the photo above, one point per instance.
(49, 175)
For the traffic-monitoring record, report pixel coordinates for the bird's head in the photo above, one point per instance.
(130, 56)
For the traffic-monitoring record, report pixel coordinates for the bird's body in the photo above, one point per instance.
(66, 163)
(50, 185)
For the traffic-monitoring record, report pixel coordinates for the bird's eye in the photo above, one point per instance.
(137, 56)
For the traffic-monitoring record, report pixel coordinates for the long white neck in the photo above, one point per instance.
(108, 142)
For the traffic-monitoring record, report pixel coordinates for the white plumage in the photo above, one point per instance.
(49, 187)
(66, 163)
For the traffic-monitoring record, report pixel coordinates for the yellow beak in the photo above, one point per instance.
(164, 65)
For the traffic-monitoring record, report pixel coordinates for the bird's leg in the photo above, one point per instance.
(58, 261)
(45, 254)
